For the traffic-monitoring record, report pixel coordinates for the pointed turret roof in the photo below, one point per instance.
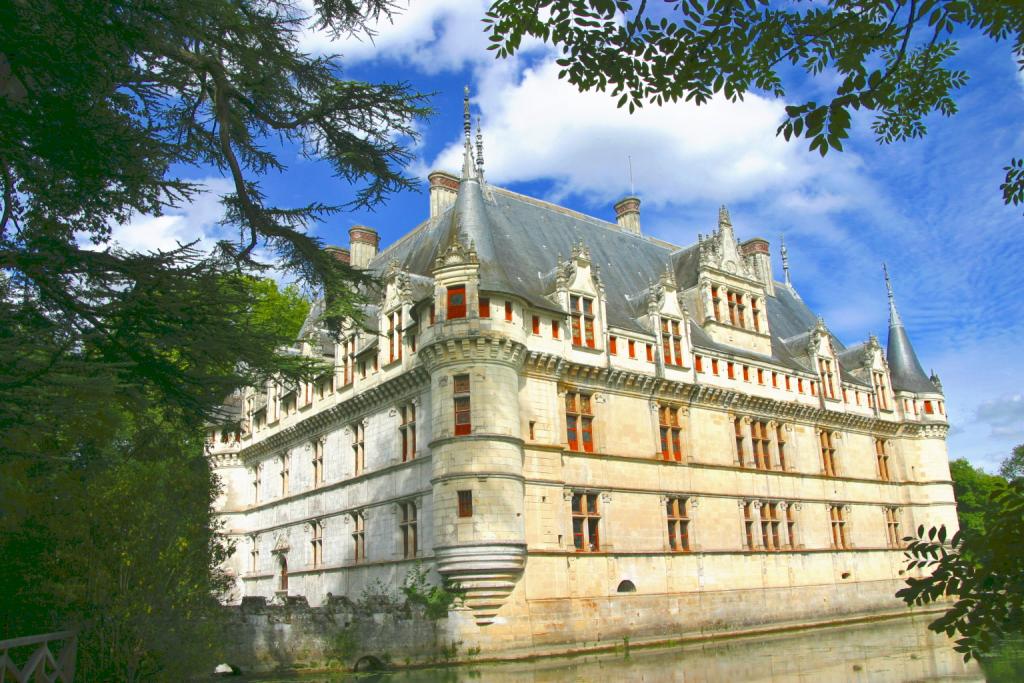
(904, 367)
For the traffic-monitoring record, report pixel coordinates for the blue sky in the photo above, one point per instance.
(930, 208)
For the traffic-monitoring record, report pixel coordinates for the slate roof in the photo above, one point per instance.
(520, 240)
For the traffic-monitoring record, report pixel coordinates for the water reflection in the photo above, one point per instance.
(892, 650)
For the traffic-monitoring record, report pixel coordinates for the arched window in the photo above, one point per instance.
(283, 562)
(626, 586)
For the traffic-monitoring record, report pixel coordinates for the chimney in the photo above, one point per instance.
(444, 188)
(363, 243)
(627, 213)
(755, 251)
(339, 253)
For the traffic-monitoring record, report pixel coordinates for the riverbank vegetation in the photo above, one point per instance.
(114, 361)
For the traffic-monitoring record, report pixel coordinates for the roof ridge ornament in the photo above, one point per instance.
(894, 316)
(785, 260)
(479, 149)
(468, 163)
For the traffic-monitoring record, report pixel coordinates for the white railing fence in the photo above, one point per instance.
(49, 657)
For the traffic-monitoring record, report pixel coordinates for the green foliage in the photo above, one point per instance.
(973, 489)
(983, 568)
(1005, 663)
(1013, 466)
(436, 601)
(119, 546)
(889, 57)
(112, 361)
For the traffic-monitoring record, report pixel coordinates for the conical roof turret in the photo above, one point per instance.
(904, 367)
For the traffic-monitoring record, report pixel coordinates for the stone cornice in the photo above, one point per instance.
(474, 348)
(391, 390)
(718, 398)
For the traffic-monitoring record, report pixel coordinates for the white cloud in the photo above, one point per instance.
(433, 36)
(195, 220)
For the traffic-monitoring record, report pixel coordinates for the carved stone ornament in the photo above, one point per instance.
(606, 497)
(281, 545)
(457, 254)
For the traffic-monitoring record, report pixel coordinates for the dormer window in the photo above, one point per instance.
(456, 302)
(735, 308)
(827, 377)
(395, 336)
(581, 309)
(880, 389)
(756, 313)
(672, 341)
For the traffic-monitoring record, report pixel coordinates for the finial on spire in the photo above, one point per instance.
(785, 259)
(479, 148)
(894, 316)
(468, 163)
(466, 123)
(723, 217)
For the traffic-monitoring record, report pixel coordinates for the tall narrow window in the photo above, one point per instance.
(828, 452)
(838, 521)
(460, 390)
(318, 462)
(358, 537)
(581, 311)
(791, 526)
(433, 313)
(407, 524)
(395, 336)
(882, 456)
(746, 373)
(755, 313)
(748, 525)
(485, 307)
(892, 527)
(672, 342)
(650, 353)
(881, 390)
(770, 526)
(741, 449)
(716, 302)
(465, 503)
(358, 448)
(282, 583)
(759, 444)
(257, 483)
(348, 361)
(678, 524)
(827, 377)
(613, 345)
(714, 366)
(555, 327)
(285, 474)
(780, 445)
(730, 370)
(586, 520)
(632, 348)
(508, 311)
(671, 433)
(734, 311)
(535, 321)
(698, 363)
(254, 554)
(456, 302)
(316, 543)
(407, 430)
(579, 422)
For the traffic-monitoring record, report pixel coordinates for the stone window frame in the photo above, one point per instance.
(395, 318)
(781, 526)
(592, 518)
(675, 448)
(408, 516)
(840, 537)
(893, 516)
(316, 543)
(357, 430)
(406, 413)
(318, 446)
(580, 316)
(462, 404)
(829, 451)
(671, 334)
(357, 520)
(682, 525)
(254, 553)
(584, 419)
(744, 456)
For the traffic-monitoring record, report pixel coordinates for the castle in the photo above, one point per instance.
(595, 433)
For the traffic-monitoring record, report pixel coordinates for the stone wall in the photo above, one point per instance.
(338, 634)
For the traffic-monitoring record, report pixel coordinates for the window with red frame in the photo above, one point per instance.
(536, 324)
(678, 524)
(460, 391)
(581, 312)
(485, 307)
(579, 421)
(395, 336)
(632, 349)
(650, 353)
(456, 302)
(554, 329)
(586, 522)
(508, 311)
(698, 363)
(671, 433)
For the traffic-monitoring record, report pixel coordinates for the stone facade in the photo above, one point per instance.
(595, 433)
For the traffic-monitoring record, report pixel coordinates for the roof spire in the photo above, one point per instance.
(894, 316)
(468, 164)
(479, 148)
(785, 259)
(723, 217)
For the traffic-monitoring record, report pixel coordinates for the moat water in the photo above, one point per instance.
(891, 650)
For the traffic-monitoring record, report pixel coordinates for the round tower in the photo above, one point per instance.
(477, 452)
